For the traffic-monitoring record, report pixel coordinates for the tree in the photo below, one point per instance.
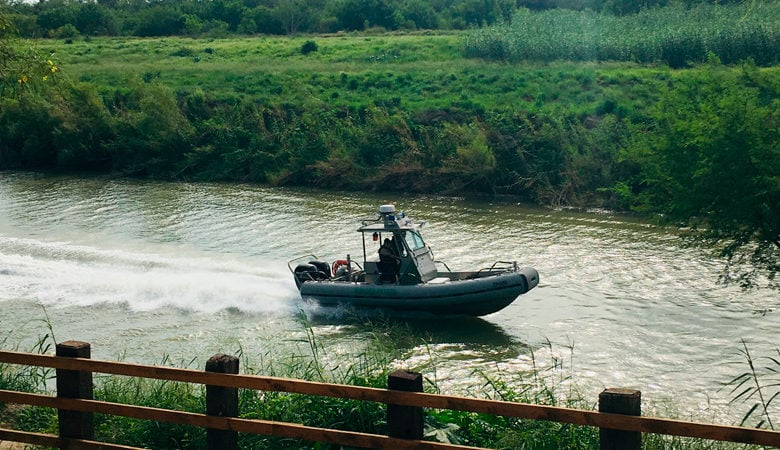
(228, 11)
(192, 24)
(297, 15)
(420, 13)
(93, 19)
(24, 73)
(711, 162)
(360, 14)
(22, 66)
(56, 17)
(160, 21)
(264, 20)
(465, 13)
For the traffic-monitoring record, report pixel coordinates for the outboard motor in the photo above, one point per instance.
(322, 266)
(310, 272)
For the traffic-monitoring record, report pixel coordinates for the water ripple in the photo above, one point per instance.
(185, 265)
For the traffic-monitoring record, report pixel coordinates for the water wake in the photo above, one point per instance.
(67, 274)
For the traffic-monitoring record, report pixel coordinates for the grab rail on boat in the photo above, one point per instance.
(366, 222)
(443, 264)
(309, 256)
(507, 266)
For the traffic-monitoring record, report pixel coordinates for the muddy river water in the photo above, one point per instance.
(149, 272)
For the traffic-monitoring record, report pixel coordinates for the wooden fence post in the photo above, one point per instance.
(405, 422)
(620, 401)
(223, 402)
(74, 384)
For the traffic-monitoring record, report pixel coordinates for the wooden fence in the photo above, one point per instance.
(618, 418)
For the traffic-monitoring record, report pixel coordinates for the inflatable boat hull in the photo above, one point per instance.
(473, 297)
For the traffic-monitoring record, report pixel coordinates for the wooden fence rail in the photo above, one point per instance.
(618, 417)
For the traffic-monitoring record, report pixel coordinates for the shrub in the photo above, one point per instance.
(184, 52)
(65, 31)
(309, 47)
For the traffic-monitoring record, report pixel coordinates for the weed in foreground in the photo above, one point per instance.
(29, 379)
(547, 383)
(758, 386)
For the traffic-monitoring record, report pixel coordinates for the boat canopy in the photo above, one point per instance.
(415, 260)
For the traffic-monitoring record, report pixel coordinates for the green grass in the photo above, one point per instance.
(398, 72)
(407, 72)
(231, 66)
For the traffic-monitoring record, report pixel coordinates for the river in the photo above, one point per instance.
(154, 272)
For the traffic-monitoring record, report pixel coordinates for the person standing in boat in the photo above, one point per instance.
(389, 262)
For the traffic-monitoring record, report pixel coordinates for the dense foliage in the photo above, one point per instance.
(709, 158)
(22, 67)
(70, 18)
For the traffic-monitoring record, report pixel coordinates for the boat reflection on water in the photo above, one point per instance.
(414, 327)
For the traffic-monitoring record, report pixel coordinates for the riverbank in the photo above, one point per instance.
(384, 113)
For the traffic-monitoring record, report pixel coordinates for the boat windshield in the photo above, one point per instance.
(413, 240)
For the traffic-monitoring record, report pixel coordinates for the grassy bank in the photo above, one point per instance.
(386, 112)
(548, 383)
(408, 73)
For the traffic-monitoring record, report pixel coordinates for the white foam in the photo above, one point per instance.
(65, 274)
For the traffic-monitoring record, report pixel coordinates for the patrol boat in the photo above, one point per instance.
(399, 272)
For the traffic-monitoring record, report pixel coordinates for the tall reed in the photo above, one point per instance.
(29, 379)
(675, 35)
(759, 386)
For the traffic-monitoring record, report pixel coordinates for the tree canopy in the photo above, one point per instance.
(64, 18)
